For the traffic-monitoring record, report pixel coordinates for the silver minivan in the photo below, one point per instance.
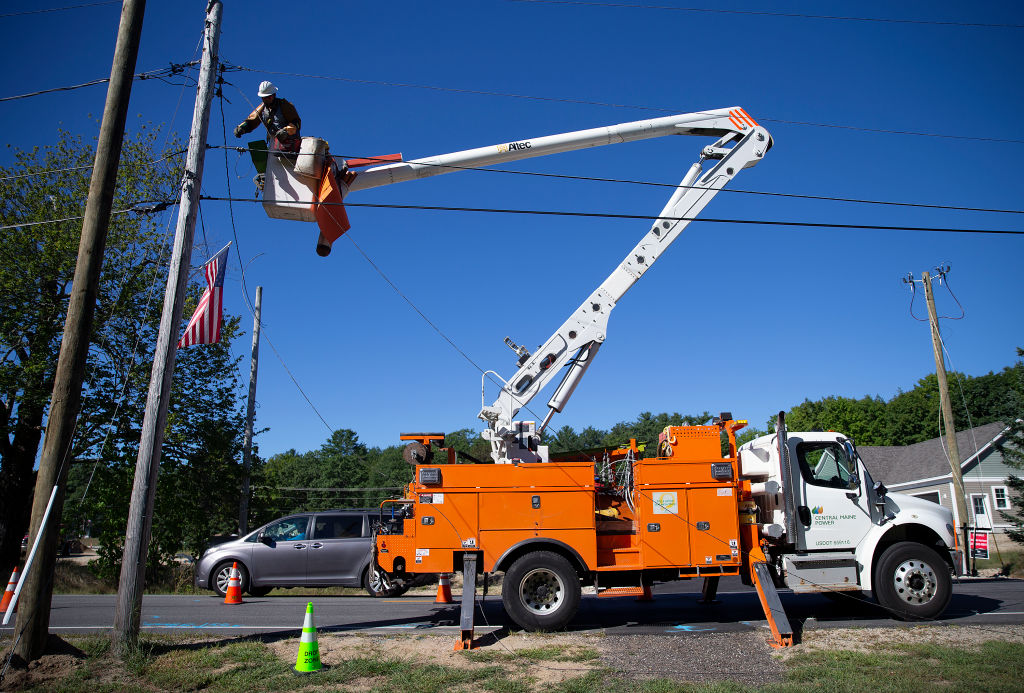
(314, 549)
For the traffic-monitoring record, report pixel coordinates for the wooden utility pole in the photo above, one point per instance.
(947, 420)
(34, 612)
(250, 413)
(140, 514)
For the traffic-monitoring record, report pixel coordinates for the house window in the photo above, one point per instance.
(932, 496)
(1002, 499)
(979, 504)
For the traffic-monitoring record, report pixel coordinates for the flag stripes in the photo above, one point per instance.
(206, 322)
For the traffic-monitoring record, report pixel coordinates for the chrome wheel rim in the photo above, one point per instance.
(222, 579)
(541, 591)
(915, 582)
(379, 581)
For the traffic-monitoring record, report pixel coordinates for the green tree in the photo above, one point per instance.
(1012, 449)
(37, 261)
(197, 493)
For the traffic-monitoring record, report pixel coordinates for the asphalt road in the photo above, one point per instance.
(675, 610)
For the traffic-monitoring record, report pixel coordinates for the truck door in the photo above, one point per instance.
(832, 503)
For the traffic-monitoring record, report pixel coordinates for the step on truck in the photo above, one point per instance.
(787, 509)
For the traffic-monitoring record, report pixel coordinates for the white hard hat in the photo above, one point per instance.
(266, 89)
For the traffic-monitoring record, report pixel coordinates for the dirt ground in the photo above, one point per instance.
(705, 657)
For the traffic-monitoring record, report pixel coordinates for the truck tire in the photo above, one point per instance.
(541, 591)
(220, 575)
(912, 582)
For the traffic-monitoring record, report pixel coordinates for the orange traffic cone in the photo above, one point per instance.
(9, 592)
(234, 593)
(444, 590)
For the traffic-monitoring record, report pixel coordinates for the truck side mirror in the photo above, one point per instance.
(854, 482)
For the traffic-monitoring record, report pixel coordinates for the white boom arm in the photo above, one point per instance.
(578, 339)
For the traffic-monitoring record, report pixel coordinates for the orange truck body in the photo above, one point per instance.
(685, 516)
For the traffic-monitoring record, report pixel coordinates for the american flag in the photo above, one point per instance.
(204, 327)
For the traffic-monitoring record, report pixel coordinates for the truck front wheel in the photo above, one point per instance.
(541, 591)
(912, 582)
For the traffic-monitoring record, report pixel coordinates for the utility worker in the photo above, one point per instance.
(278, 116)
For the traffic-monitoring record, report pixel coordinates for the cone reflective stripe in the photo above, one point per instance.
(233, 595)
(444, 590)
(308, 660)
(9, 592)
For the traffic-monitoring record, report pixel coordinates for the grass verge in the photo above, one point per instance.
(574, 663)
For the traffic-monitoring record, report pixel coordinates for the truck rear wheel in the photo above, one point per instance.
(912, 582)
(541, 591)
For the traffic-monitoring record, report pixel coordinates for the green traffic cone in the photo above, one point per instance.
(308, 660)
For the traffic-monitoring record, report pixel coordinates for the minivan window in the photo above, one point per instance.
(290, 529)
(338, 527)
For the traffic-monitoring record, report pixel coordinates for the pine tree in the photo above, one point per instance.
(1012, 449)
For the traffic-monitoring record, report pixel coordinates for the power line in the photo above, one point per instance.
(160, 74)
(238, 252)
(729, 190)
(649, 217)
(60, 9)
(762, 13)
(659, 109)
(48, 171)
(631, 181)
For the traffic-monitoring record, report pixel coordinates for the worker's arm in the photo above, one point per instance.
(251, 122)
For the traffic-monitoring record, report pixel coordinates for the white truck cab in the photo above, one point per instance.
(830, 527)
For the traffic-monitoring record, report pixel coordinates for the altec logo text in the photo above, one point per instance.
(513, 146)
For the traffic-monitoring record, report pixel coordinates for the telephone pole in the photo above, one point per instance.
(140, 513)
(250, 413)
(34, 614)
(947, 420)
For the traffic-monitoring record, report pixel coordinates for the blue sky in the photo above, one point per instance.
(746, 318)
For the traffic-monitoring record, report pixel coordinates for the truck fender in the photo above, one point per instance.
(907, 530)
(540, 544)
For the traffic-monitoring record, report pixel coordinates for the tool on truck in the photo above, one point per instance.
(786, 509)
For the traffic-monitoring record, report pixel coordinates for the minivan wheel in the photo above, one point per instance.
(377, 583)
(222, 573)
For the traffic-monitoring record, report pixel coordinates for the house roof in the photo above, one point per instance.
(901, 464)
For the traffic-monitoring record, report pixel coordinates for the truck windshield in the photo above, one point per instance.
(826, 463)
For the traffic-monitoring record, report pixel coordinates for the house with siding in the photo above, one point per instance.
(923, 470)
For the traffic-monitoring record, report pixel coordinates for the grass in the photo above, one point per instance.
(1006, 561)
(249, 665)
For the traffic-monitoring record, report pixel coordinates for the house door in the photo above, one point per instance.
(982, 517)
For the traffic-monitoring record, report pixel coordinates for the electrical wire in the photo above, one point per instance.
(59, 9)
(562, 176)
(648, 217)
(658, 109)
(437, 329)
(49, 171)
(57, 221)
(265, 333)
(943, 279)
(763, 13)
(152, 74)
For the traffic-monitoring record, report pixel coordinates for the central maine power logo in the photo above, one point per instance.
(817, 510)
